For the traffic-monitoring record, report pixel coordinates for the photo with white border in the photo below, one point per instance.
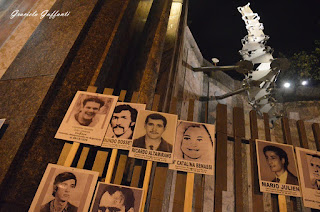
(64, 188)
(111, 197)
(154, 136)
(121, 127)
(194, 148)
(277, 168)
(309, 172)
(87, 118)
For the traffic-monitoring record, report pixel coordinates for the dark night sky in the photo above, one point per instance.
(218, 27)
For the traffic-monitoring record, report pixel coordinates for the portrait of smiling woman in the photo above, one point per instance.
(194, 143)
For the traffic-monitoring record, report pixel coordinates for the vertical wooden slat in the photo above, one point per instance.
(274, 197)
(266, 127)
(179, 192)
(136, 176)
(302, 134)
(239, 133)
(286, 131)
(101, 156)
(316, 134)
(120, 169)
(159, 184)
(257, 197)
(221, 158)
(190, 176)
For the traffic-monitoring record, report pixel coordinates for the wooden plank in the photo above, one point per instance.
(257, 197)
(136, 176)
(286, 130)
(100, 162)
(221, 157)
(178, 202)
(146, 182)
(274, 197)
(157, 194)
(199, 192)
(316, 134)
(83, 157)
(64, 153)
(120, 169)
(101, 156)
(190, 176)
(150, 164)
(302, 134)
(189, 192)
(238, 133)
(266, 127)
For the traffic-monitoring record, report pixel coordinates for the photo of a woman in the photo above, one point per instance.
(194, 142)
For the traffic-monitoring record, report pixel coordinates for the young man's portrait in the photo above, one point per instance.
(87, 118)
(87, 113)
(309, 171)
(64, 189)
(116, 198)
(123, 120)
(277, 159)
(155, 125)
(277, 167)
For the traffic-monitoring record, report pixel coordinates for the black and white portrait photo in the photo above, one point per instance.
(309, 172)
(122, 125)
(116, 198)
(154, 136)
(277, 168)
(87, 118)
(64, 189)
(194, 148)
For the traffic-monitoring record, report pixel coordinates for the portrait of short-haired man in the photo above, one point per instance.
(314, 170)
(116, 198)
(277, 159)
(123, 121)
(87, 114)
(155, 125)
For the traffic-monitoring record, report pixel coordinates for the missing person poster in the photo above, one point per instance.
(122, 125)
(194, 148)
(277, 168)
(87, 118)
(110, 197)
(154, 136)
(309, 172)
(64, 189)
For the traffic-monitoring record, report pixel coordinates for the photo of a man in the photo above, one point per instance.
(87, 118)
(122, 125)
(309, 172)
(277, 168)
(116, 198)
(277, 160)
(155, 125)
(87, 113)
(153, 138)
(63, 188)
(314, 171)
(123, 122)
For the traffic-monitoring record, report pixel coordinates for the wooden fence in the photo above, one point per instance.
(168, 190)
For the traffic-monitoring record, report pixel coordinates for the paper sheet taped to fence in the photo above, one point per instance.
(277, 168)
(194, 148)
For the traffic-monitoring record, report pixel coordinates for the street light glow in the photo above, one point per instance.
(304, 82)
(286, 85)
